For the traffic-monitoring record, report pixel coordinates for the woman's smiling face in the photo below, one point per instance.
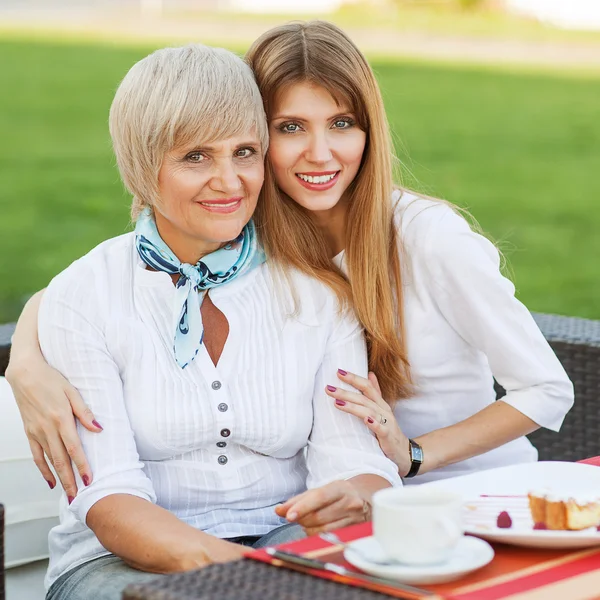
(208, 192)
(316, 147)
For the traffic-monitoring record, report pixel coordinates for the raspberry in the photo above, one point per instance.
(540, 526)
(504, 521)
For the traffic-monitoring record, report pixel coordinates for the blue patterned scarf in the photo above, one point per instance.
(216, 268)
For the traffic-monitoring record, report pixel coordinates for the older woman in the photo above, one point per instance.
(209, 383)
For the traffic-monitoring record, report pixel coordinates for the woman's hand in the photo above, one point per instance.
(337, 504)
(368, 405)
(48, 403)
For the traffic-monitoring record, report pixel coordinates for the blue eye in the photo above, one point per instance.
(343, 123)
(289, 127)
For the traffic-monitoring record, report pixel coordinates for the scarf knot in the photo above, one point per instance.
(195, 274)
(217, 268)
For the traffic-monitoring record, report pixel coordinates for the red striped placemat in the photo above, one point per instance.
(516, 573)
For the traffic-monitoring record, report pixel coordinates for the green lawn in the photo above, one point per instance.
(521, 151)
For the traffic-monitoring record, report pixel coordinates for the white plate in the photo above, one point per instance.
(470, 554)
(481, 516)
(481, 512)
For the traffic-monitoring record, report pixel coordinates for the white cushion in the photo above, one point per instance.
(31, 507)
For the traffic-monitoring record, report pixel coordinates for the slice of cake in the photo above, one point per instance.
(537, 506)
(564, 512)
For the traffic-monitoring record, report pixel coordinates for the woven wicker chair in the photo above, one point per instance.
(577, 345)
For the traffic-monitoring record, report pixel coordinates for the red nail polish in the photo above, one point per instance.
(96, 424)
(342, 372)
(340, 403)
(50, 484)
(370, 420)
(86, 480)
(70, 499)
(331, 388)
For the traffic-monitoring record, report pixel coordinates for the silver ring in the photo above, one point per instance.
(382, 420)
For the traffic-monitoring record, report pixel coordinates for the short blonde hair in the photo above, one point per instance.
(176, 96)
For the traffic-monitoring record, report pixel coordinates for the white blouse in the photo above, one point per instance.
(464, 326)
(218, 446)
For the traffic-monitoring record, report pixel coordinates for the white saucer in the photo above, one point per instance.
(471, 553)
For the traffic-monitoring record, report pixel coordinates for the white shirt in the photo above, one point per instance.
(464, 326)
(218, 446)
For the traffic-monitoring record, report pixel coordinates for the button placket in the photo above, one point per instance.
(217, 392)
(222, 407)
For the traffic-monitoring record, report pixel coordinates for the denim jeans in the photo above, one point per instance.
(106, 577)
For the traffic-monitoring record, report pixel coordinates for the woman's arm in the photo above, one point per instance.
(462, 272)
(495, 425)
(47, 402)
(150, 538)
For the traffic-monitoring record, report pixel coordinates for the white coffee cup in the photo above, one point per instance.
(417, 525)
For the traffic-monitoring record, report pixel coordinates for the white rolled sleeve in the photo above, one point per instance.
(480, 304)
(71, 333)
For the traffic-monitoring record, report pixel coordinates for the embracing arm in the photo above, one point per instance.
(121, 524)
(464, 279)
(495, 425)
(25, 345)
(47, 401)
(120, 504)
(480, 304)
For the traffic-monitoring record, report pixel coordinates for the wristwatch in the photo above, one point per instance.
(416, 458)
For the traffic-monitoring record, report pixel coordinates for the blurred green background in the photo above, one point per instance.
(518, 145)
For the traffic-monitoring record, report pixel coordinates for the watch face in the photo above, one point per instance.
(417, 453)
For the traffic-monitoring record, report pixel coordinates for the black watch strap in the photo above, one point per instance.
(416, 458)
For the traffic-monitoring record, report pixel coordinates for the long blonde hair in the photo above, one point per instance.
(320, 53)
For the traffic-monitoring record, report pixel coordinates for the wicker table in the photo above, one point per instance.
(245, 580)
